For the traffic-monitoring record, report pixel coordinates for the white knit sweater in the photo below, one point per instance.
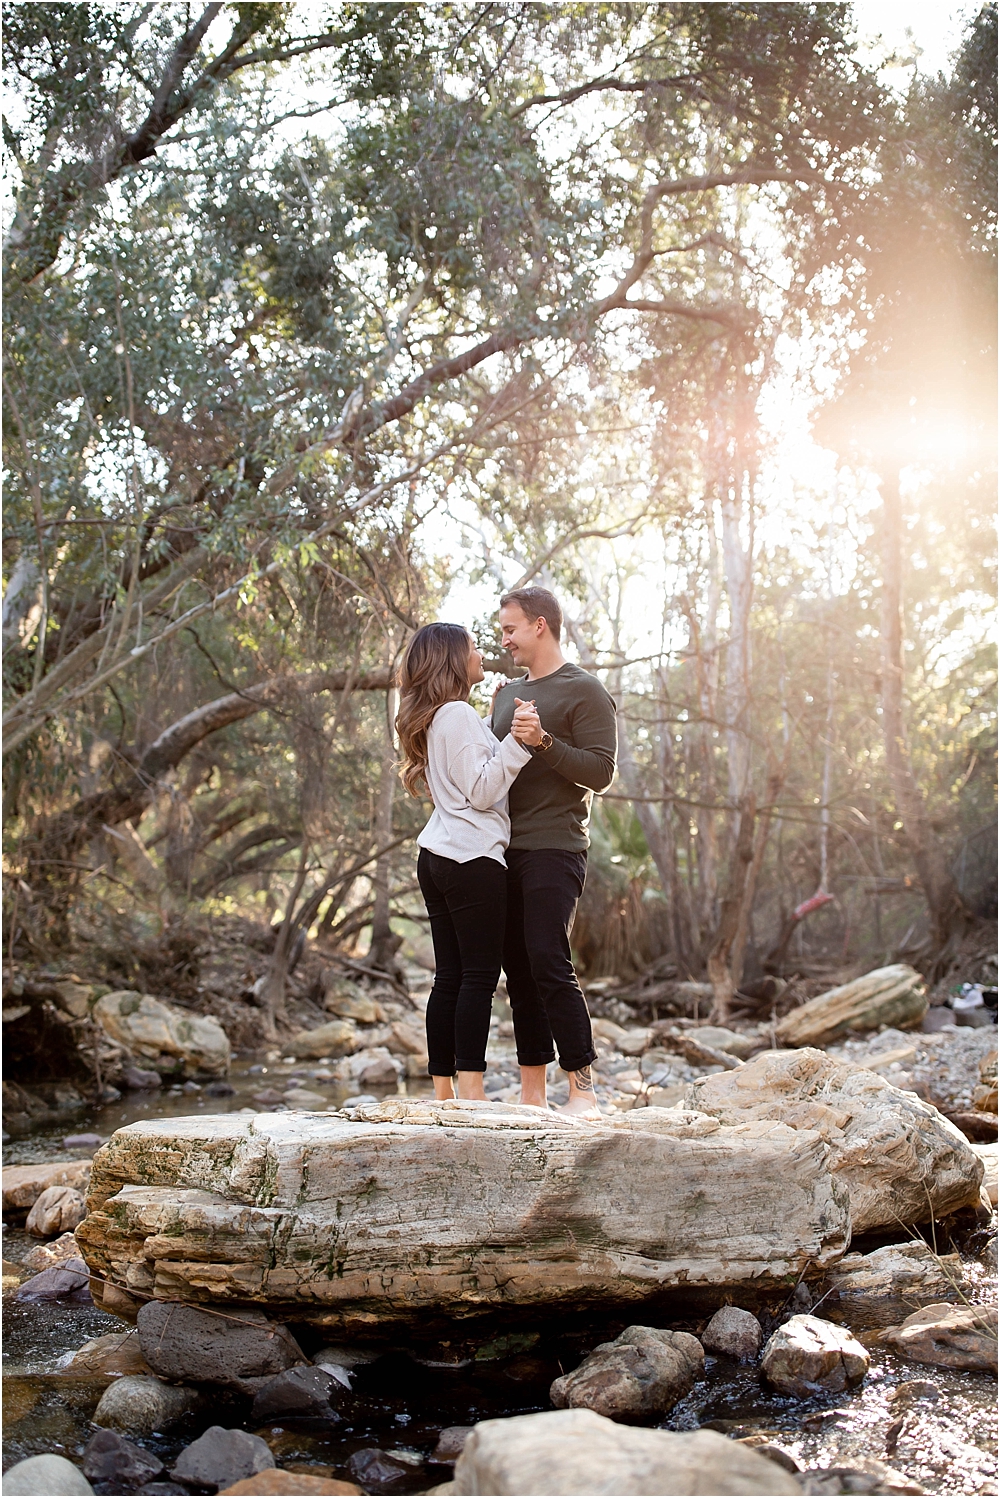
(469, 773)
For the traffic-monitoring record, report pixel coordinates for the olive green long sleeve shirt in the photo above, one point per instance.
(550, 800)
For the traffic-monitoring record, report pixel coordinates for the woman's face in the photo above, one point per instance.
(476, 672)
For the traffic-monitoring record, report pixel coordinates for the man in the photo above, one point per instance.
(574, 743)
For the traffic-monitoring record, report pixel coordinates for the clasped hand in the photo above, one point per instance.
(526, 725)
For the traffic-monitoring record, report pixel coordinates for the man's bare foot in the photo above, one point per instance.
(578, 1107)
(582, 1101)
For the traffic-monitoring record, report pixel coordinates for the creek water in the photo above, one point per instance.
(400, 1401)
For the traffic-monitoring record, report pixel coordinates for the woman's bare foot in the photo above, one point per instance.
(470, 1087)
(533, 1093)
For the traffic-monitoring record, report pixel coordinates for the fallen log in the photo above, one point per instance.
(888, 996)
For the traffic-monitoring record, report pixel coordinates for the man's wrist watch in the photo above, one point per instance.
(545, 742)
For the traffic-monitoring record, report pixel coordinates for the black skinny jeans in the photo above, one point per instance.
(544, 886)
(467, 905)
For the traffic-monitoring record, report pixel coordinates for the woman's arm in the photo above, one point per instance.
(481, 772)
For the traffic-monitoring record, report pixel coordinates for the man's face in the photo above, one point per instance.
(520, 634)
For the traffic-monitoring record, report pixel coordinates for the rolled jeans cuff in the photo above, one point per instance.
(586, 1060)
(536, 1058)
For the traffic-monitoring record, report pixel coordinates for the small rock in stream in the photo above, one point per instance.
(643, 1372)
(59, 1209)
(112, 1458)
(912, 1390)
(268, 1098)
(275, 1482)
(136, 1079)
(305, 1100)
(48, 1476)
(808, 1355)
(339, 1355)
(221, 1457)
(947, 1336)
(734, 1333)
(45, 1255)
(138, 1405)
(450, 1443)
(220, 1089)
(776, 1454)
(871, 1477)
(69, 1281)
(83, 1141)
(297, 1391)
(113, 1355)
(374, 1468)
(189, 1344)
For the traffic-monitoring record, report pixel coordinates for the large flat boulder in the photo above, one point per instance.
(900, 1159)
(404, 1207)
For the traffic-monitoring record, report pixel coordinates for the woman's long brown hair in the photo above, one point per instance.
(435, 670)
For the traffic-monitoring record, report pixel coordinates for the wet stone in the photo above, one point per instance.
(221, 1457)
(913, 1390)
(374, 1468)
(778, 1455)
(275, 1483)
(733, 1333)
(113, 1355)
(948, 1336)
(643, 1372)
(48, 1476)
(188, 1344)
(110, 1457)
(450, 1444)
(45, 1255)
(297, 1391)
(136, 1079)
(69, 1281)
(139, 1405)
(807, 1355)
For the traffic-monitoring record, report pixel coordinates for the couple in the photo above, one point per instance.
(501, 882)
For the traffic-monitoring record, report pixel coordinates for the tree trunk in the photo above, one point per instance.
(739, 589)
(703, 645)
(276, 977)
(385, 943)
(659, 840)
(719, 971)
(947, 911)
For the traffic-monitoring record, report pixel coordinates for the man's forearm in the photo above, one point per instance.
(594, 768)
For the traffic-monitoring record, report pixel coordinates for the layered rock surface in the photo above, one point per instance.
(900, 1160)
(408, 1206)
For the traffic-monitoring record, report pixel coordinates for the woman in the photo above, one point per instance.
(460, 867)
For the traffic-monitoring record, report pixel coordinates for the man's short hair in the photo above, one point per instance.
(537, 603)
